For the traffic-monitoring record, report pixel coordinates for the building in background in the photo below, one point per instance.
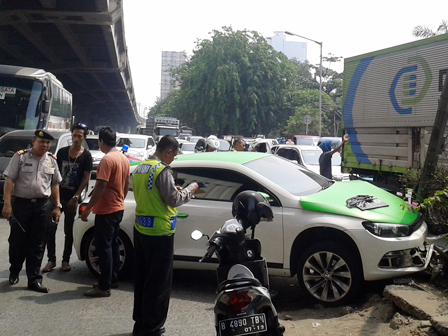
(170, 59)
(291, 49)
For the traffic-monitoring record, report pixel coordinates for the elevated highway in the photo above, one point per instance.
(83, 43)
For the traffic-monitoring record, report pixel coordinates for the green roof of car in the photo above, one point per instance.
(234, 157)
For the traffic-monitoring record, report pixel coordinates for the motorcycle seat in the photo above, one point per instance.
(237, 282)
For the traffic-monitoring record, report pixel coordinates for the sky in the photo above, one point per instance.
(346, 28)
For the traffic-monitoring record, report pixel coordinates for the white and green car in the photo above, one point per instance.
(332, 235)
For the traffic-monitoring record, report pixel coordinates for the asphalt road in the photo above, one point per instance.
(65, 311)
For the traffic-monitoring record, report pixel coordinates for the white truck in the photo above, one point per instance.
(390, 102)
(157, 127)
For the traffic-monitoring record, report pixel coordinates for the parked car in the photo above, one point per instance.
(184, 136)
(187, 147)
(320, 232)
(307, 140)
(140, 146)
(262, 145)
(224, 145)
(308, 156)
(97, 154)
(14, 141)
(195, 138)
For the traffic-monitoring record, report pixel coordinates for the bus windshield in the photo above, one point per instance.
(19, 98)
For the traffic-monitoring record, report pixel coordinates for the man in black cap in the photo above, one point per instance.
(31, 200)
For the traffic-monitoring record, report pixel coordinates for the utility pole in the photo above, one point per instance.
(435, 143)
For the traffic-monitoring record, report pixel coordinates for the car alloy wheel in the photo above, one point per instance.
(126, 254)
(329, 273)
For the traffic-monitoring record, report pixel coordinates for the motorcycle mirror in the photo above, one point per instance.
(196, 235)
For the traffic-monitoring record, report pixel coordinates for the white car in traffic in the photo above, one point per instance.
(140, 146)
(321, 231)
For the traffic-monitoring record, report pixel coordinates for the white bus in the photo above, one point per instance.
(33, 99)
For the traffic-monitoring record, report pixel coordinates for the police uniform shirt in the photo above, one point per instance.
(33, 177)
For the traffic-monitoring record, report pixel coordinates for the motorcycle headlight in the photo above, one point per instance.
(387, 230)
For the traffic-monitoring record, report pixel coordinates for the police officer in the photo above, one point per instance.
(31, 200)
(157, 197)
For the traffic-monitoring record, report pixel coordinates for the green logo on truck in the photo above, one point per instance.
(409, 79)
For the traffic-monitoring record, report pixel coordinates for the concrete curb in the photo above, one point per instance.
(421, 304)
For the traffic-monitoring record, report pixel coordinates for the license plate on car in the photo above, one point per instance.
(245, 325)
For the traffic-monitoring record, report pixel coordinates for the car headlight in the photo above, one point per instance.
(387, 230)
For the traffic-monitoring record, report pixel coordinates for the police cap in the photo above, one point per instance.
(43, 135)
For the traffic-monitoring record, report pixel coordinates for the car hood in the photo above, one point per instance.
(333, 200)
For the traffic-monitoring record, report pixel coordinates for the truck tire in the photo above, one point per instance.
(329, 273)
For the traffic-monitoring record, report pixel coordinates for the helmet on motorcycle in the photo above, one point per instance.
(249, 207)
(213, 142)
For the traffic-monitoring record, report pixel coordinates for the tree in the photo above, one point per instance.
(424, 31)
(166, 107)
(305, 102)
(235, 83)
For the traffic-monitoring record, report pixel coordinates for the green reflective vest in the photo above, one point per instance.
(152, 216)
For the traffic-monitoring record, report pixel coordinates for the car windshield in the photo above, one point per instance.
(188, 147)
(167, 131)
(311, 157)
(10, 145)
(195, 139)
(131, 142)
(305, 141)
(289, 176)
(93, 144)
(224, 145)
(19, 105)
(184, 136)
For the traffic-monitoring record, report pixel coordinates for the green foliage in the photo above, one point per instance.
(306, 102)
(435, 207)
(412, 180)
(331, 110)
(167, 107)
(235, 83)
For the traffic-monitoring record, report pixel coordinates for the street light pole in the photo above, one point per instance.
(320, 76)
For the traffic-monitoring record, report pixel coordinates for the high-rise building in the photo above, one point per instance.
(170, 59)
(291, 49)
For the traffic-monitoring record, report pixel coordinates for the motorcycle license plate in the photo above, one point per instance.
(243, 325)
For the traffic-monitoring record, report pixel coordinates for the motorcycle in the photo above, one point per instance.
(243, 304)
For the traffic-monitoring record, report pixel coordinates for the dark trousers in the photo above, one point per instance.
(29, 245)
(106, 243)
(69, 218)
(153, 271)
